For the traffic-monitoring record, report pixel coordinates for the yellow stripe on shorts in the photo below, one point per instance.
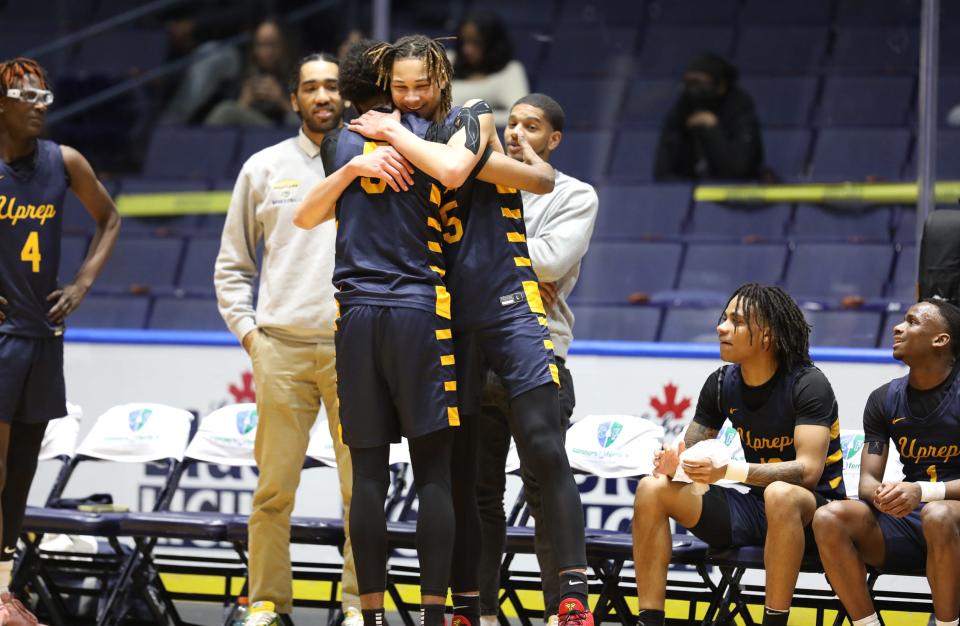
(522, 261)
(443, 302)
(438, 270)
(444, 333)
(514, 214)
(450, 385)
(453, 416)
(555, 373)
(548, 344)
(532, 291)
(447, 359)
(513, 237)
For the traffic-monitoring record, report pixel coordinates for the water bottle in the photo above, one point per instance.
(239, 615)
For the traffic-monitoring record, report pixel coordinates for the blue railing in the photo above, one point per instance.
(579, 348)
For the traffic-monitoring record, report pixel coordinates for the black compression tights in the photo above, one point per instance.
(465, 570)
(430, 456)
(533, 423)
(19, 447)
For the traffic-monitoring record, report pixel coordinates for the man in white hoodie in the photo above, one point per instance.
(289, 336)
(559, 226)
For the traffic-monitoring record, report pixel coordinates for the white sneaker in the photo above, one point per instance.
(352, 616)
(553, 620)
(488, 620)
(262, 614)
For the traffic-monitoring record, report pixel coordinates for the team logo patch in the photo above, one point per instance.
(851, 446)
(727, 435)
(511, 298)
(246, 421)
(138, 418)
(608, 432)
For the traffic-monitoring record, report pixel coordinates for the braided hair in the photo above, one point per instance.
(434, 57)
(18, 68)
(774, 309)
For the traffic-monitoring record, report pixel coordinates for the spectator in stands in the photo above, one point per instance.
(786, 415)
(34, 177)
(262, 100)
(289, 336)
(712, 130)
(559, 225)
(901, 526)
(484, 67)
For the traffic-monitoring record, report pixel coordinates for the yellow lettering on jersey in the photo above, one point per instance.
(514, 214)
(433, 223)
(522, 261)
(434, 195)
(532, 291)
(764, 443)
(434, 246)
(514, 237)
(835, 457)
(453, 416)
(367, 183)
(911, 449)
(13, 212)
(505, 189)
(450, 385)
(30, 253)
(443, 302)
(444, 333)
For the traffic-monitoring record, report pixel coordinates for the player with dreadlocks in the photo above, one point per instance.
(786, 415)
(499, 322)
(34, 177)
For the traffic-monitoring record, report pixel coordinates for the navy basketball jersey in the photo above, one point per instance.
(490, 273)
(766, 433)
(388, 250)
(31, 203)
(929, 445)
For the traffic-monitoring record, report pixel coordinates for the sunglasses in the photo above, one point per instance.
(31, 96)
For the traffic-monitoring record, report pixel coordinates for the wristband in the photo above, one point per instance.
(932, 491)
(737, 471)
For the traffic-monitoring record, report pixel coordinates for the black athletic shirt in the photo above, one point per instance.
(32, 191)
(924, 426)
(765, 417)
(388, 250)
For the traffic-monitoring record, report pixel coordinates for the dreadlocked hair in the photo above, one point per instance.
(434, 57)
(18, 68)
(774, 309)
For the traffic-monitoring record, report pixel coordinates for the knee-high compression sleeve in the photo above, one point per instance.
(535, 425)
(368, 522)
(431, 456)
(25, 441)
(465, 568)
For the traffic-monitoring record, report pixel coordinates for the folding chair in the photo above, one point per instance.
(130, 433)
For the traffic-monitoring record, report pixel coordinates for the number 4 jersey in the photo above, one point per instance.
(31, 203)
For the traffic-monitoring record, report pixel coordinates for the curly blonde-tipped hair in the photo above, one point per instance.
(17, 69)
(434, 57)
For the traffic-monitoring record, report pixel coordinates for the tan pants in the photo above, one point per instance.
(292, 379)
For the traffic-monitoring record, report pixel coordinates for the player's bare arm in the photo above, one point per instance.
(101, 208)
(811, 443)
(534, 174)
(895, 498)
(449, 163)
(873, 462)
(385, 163)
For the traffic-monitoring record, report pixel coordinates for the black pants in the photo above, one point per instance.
(494, 435)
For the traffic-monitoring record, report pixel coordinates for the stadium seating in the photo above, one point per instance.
(172, 313)
(111, 312)
(587, 102)
(638, 212)
(584, 154)
(711, 221)
(635, 323)
(780, 50)
(854, 329)
(827, 271)
(644, 269)
(859, 154)
(773, 109)
(877, 50)
(211, 153)
(866, 101)
(786, 152)
(682, 325)
(786, 12)
(648, 100)
(820, 223)
(141, 261)
(633, 157)
(903, 287)
(721, 268)
(667, 50)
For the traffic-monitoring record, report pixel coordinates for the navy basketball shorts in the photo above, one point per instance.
(730, 518)
(396, 374)
(518, 350)
(905, 549)
(31, 379)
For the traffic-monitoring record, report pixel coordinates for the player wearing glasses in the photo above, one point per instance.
(34, 177)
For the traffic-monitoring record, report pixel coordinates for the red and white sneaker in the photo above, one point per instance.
(13, 613)
(573, 613)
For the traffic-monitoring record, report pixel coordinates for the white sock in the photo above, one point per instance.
(6, 570)
(869, 620)
(955, 622)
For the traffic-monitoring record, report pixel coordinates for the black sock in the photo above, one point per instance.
(431, 614)
(650, 617)
(573, 585)
(773, 617)
(466, 610)
(373, 617)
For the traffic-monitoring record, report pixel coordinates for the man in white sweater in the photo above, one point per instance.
(289, 336)
(559, 226)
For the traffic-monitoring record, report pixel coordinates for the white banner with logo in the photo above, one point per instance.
(660, 383)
